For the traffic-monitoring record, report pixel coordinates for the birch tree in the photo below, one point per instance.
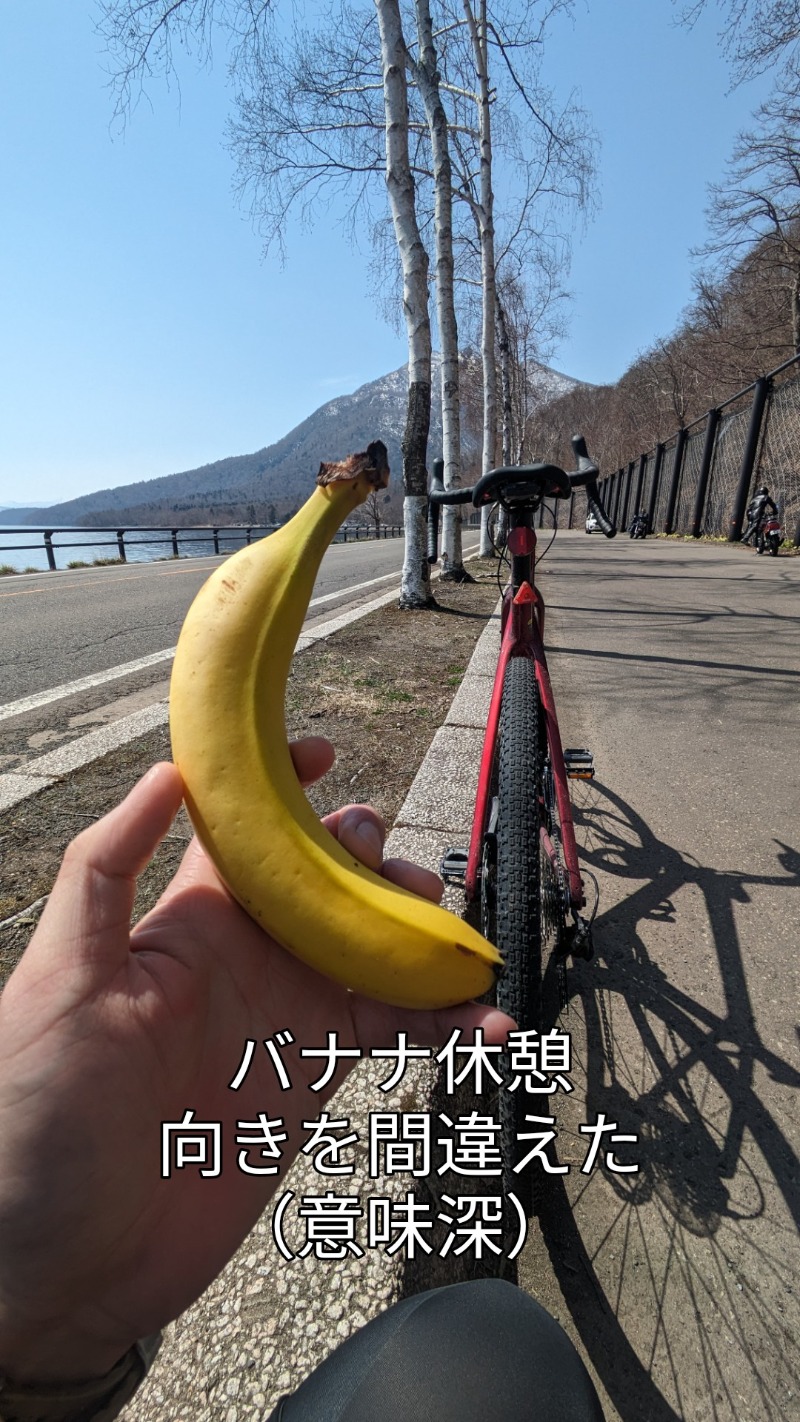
(549, 152)
(757, 35)
(415, 582)
(425, 71)
(310, 125)
(483, 211)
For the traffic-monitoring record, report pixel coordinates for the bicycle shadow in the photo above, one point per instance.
(689, 1081)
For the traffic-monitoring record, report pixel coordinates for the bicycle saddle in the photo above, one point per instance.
(520, 484)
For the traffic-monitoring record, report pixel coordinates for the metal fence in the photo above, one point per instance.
(142, 544)
(701, 480)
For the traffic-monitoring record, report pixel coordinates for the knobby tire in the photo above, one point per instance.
(518, 900)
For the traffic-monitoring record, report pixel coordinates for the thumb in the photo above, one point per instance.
(89, 910)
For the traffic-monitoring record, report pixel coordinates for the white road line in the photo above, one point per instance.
(44, 770)
(86, 683)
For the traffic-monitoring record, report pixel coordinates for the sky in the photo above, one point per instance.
(142, 330)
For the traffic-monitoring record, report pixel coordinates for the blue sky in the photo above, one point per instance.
(142, 330)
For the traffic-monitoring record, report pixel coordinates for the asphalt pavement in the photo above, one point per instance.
(57, 627)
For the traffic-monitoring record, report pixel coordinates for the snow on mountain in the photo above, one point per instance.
(282, 474)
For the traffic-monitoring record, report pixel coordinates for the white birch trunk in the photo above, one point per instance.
(427, 77)
(480, 50)
(507, 456)
(415, 580)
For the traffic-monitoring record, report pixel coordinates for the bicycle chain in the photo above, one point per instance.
(554, 894)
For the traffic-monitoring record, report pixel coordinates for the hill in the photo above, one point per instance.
(272, 482)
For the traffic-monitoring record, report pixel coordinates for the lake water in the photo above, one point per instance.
(139, 547)
(25, 548)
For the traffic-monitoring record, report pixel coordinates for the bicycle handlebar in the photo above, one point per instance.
(584, 477)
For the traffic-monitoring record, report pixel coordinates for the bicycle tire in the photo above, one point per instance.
(518, 898)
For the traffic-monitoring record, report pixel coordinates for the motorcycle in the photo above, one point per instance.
(769, 536)
(638, 528)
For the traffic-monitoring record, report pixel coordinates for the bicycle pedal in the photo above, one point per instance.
(453, 866)
(579, 764)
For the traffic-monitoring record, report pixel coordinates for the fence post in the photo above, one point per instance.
(760, 394)
(174, 533)
(705, 470)
(48, 548)
(680, 445)
(651, 511)
(640, 482)
(620, 493)
(618, 497)
(613, 495)
(626, 501)
(215, 534)
(121, 544)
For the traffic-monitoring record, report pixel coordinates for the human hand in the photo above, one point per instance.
(105, 1033)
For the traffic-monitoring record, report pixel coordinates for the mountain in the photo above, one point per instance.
(12, 504)
(273, 481)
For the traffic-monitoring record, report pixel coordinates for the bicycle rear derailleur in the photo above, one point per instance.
(577, 938)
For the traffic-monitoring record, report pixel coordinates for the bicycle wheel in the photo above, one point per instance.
(518, 899)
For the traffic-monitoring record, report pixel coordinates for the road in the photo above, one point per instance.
(61, 626)
(116, 629)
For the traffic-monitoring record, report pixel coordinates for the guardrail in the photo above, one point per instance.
(240, 534)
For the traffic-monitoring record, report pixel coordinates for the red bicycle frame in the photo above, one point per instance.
(522, 632)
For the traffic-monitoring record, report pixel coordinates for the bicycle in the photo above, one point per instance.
(521, 867)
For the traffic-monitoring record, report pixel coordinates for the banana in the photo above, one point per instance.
(242, 792)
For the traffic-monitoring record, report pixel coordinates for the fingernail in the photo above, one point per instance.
(369, 833)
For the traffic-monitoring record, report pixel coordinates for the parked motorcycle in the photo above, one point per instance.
(638, 528)
(769, 537)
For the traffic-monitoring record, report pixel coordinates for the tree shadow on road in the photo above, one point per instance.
(693, 1266)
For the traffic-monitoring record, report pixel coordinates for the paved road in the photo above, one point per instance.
(118, 627)
(679, 665)
(57, 627)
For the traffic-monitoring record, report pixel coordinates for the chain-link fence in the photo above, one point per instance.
(779, 455)
(729, 448)
(664, 484)
(701, 480)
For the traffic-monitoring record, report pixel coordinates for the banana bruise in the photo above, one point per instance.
(242, 793)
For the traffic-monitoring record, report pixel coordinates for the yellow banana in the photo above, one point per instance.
(241, 789)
